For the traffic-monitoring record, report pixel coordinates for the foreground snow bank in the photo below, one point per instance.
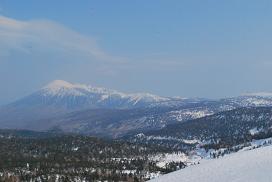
(250, 166)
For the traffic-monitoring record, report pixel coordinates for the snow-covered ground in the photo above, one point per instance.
(164, 159)
(250, 166)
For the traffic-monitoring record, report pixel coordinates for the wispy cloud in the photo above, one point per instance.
(45, 36)
(43, 40)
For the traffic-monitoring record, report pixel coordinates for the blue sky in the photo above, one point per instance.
(171, 48)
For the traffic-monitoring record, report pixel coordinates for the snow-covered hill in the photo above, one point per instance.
(250, 166)
(227, 128)
(249, 100)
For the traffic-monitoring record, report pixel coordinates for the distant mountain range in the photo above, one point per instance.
(98, 111)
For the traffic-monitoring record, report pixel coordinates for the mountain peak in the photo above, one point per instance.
(61, 88)
(60, 92)
(56, 84)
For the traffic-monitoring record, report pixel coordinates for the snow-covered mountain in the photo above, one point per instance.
(99, 111)
(65, 95)
(60, 94)
(251, 166)
(60, 97)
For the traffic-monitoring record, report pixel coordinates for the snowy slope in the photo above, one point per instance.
(250, 166)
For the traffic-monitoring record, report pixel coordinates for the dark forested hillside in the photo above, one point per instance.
(227, 128)
(26, 156)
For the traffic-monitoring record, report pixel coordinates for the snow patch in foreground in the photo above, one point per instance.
(250, 166)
